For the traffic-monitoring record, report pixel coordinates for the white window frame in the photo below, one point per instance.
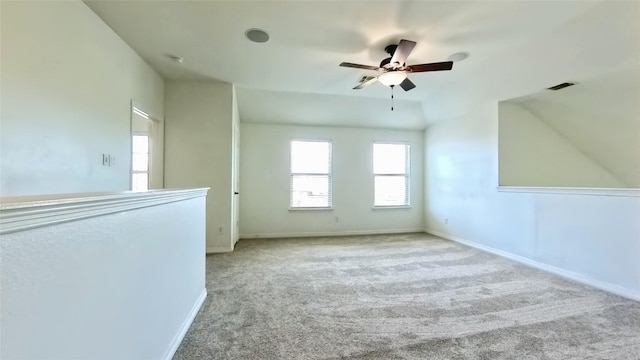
(329, 176)
(406, 175)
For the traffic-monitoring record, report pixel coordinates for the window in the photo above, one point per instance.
(391, 174)
(310, 174)
(140, 163)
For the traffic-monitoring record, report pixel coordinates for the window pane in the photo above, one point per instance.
(140, 182)
(390, 190)
(389, 158)
(140, 162)
(140, 144)
(310, 157)
(310, 191)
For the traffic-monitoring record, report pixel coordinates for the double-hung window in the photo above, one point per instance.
(310, 174)
(391, 174)
(140, 162)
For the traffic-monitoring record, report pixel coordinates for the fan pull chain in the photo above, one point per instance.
(392, 97)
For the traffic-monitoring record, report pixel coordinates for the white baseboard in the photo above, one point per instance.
(612, 288)
(175, 343)
(219, 249)
(330, 233)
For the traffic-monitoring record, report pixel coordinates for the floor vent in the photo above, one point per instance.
(561, 86)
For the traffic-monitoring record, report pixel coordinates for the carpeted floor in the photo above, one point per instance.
(410, 296)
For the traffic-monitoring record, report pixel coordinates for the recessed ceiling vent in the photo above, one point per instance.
(257, 35)
(561, 86)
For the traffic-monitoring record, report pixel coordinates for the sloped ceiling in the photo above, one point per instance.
(259, 106)
(600, 118)
(515, 48)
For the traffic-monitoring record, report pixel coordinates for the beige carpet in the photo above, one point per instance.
(409, 296)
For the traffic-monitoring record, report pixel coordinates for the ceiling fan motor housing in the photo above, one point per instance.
(390, 49)
(385, 62)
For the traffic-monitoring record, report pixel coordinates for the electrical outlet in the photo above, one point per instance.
(105, 160)
(446, 220)
(220, 230)
(112, 160)
(337, 219)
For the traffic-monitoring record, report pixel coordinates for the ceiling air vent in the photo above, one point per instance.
(561, 86)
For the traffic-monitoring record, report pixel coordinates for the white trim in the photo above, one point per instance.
(219, 249)
(331, 233)
(391, 207)
(175, 343)
(392, 142)
(140, 113)
(144, 109)
(571, 191)
(309, 208)
(22, 213)
(612, 288)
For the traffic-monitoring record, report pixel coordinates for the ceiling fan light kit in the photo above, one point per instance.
(392, 78)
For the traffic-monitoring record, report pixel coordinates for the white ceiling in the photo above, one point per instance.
(516, 48)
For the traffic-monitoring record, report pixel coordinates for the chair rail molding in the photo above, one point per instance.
(631, 192)
(23, 213)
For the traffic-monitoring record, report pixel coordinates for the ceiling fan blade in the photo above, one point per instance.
(366, 83)
(439, 66)
(358, 66)
(405, 47)
(407, 85)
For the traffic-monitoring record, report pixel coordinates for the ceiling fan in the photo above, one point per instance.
(394, 71)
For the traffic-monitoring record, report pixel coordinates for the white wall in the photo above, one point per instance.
(124, 284)
(533, 154)
(594, 237)
(600, 117)
(264, 183)
(67, 83)
(198, 150)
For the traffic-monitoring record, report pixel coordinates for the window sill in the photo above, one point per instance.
(311, 209)
(392, 207)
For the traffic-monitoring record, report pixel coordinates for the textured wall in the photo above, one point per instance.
(67, 85)
(198, 150)
(599, 117)
(118, 286)
(265, 180)
(533, 154)
(596, 237)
